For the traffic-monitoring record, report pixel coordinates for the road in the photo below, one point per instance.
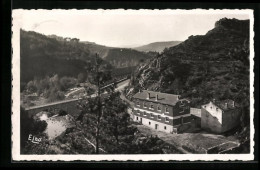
(81, 89)
(120, 87)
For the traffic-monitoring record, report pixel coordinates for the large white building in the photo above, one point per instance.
(161, 111)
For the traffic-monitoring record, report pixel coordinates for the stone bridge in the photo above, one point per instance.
(70, 106)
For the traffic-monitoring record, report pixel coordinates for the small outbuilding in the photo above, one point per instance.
(220, 116)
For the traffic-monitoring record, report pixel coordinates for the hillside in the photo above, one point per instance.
(118, 57)
(96, 48)
(215, 65)
(157, 46)
(42, 55)
(123, 57)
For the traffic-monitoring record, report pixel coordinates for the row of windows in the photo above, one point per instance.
(152, 106)
(158, 116)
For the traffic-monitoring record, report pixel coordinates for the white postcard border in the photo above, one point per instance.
(16, 156)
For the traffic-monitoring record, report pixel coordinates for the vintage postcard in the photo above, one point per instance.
(139, 85)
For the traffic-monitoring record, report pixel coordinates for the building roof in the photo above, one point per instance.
(164, 98)
(225, 105)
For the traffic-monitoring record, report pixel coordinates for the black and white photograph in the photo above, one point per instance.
(132, 84)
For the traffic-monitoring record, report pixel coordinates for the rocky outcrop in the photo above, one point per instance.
(215, 64)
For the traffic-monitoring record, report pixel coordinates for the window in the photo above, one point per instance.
(205, 106)
(152, 115)
(145, 114)
(159, 116)
(145, 105)
(158, 108)
(210, 107)
(167, 119)
(149, 123)
(216, 109)
(137, 103)
(167, 109)
(136, 118)
(164, 127)
(151, 107)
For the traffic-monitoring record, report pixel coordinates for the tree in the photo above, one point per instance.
(54, 94)
(116, 117)
(93, 110)
(81, 78)
(67, 82)
(31, 87)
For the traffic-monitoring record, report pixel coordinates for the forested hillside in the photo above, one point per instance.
(118, 57)
(45, 56)
(215, 65)
(125, 57)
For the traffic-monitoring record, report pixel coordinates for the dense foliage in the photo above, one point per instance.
(51, 88)
(45, 56)
(48, 55)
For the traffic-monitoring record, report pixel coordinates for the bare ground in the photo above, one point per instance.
(198, 142)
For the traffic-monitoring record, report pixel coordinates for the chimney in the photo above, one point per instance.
(148, 95)
(157, 97)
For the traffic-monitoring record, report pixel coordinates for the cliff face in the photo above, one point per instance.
(202, 67)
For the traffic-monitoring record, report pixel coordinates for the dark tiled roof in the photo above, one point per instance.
(225, 104)
(164, 98)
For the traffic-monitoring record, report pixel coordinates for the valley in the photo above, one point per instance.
(138, 100)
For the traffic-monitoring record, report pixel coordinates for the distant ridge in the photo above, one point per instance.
(157, 46)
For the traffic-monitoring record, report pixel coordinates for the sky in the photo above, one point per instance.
(122, 28)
